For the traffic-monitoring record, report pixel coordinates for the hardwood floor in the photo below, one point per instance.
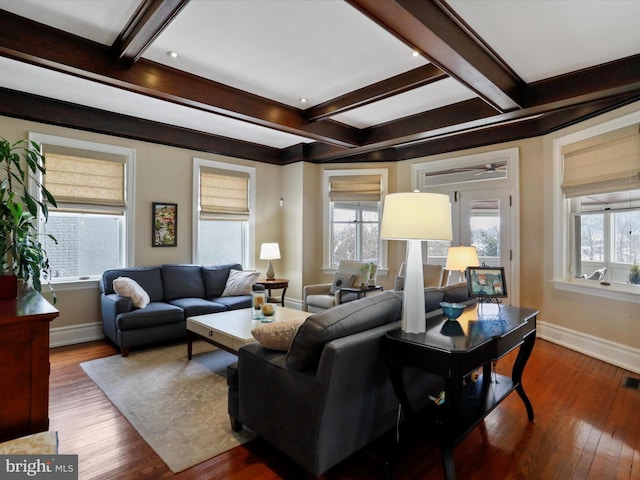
(587, 426)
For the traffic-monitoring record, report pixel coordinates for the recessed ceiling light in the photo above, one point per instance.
(172, 54)
(303, 100)
(415, 53)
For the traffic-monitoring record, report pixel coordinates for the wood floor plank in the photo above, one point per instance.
(586, 427)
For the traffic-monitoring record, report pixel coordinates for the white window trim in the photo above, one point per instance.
(562, 276)
(327, 268)
(130, 163)
(251, 171)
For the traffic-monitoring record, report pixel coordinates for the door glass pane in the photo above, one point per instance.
(484, 223)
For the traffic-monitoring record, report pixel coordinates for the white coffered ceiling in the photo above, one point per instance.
(320, 50)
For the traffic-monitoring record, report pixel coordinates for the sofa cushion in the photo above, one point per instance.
(234, 303)
(240, 283)
(149, 278)
(432, 298)
(154, 314)
(182, 281)
(457, 293)
(127, 287)
(277, 335)
(345, 319)
(215, 278)
(197, 306)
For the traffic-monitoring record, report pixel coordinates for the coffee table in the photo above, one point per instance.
(232, 329)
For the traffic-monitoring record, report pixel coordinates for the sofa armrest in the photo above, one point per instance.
(111, 306)
(317, 289)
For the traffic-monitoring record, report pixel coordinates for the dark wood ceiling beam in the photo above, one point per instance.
(38, 44)
(433, 29)
(418, 77)
(510, 131)
(587, 85)
(149, 20)
(39, 109)
(413, 127)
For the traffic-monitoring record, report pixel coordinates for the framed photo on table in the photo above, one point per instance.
(164, 225)
(486, 282)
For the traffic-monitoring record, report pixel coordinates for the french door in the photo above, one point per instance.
(480, 218)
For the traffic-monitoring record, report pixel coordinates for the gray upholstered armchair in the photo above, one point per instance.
(319, 297)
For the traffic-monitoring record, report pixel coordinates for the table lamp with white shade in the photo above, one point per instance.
(270, 251)
(415, 217)
(459, 258)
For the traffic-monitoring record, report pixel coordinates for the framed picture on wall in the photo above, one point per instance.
(486, 282)
(164, 225)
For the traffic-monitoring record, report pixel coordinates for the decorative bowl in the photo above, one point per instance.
(452, 310)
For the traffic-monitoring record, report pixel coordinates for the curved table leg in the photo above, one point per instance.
(518, 368)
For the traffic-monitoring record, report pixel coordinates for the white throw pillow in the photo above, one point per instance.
(127, 287)
(240, 283)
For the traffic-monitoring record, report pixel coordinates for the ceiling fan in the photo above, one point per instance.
(494, 167)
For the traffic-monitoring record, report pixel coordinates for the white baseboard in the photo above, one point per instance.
(610, 352)
(86, 332)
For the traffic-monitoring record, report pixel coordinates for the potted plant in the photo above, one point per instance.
(368, 272)
(634, 273)
(22, 255)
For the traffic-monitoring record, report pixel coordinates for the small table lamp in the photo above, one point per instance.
(459, 258)
(415, 217)
(270, 251)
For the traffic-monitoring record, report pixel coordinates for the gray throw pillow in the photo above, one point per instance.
(341, 280)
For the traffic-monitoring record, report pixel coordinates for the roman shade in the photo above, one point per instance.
(602, 164)
(355, 188)
(79, 177)
(224, 194)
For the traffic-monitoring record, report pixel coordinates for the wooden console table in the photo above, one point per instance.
(24, 364)
(453, 350)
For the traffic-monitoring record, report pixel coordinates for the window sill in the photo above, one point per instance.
(615, 291)
(72, 284)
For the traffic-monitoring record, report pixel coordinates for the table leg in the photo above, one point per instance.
(447, 463)
(189, 345)
(518, 369)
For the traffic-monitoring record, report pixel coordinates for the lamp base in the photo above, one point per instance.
(270, 273)
(413, 314)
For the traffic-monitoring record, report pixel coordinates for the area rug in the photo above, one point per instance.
(178, 406)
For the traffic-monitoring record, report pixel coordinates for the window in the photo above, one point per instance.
(225, 203)
(601, 193)
(353, 211)
(607, 235)
(92, 186)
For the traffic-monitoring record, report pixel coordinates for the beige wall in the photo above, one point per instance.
(612, 320)
(165, 174)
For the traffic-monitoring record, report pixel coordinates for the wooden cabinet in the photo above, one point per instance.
(24, 363)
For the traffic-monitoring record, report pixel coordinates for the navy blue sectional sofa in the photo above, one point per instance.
(175, 292)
